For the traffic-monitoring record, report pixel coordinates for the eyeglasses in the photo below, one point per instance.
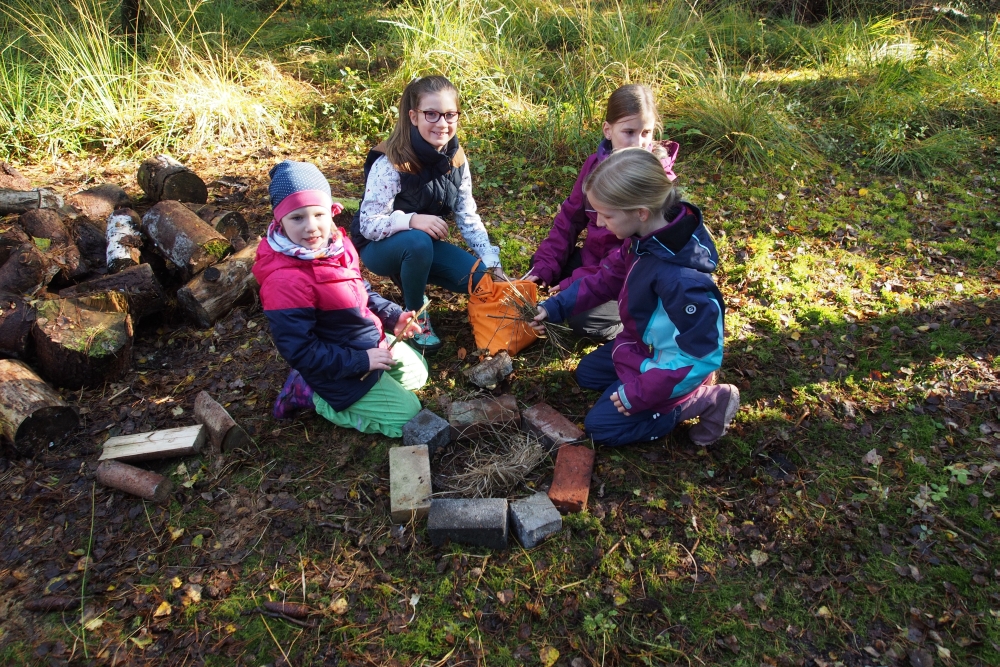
(432, 116)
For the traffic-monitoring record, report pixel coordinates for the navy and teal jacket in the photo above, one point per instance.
(670, 307)
(323, 317)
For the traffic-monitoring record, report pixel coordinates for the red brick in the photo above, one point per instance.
(571, 479)
(467, 418)
(545, 421)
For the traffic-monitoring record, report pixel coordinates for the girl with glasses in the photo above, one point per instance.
(415, 181)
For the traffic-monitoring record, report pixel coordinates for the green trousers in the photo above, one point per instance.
(390, 403)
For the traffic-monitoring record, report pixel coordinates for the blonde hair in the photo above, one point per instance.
(630, 179)
(633, 99)
(398, 147)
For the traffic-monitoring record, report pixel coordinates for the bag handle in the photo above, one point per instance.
(472, 273)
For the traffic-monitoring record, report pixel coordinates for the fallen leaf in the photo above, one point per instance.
(197, 541)
(163, 610)
(176, 533)
(339, 606)
(142, 642)
(758, 557)
(824, 612)
(761, 601)
(505, 596)
(462, 353)
(95, 624)
(548, 656)
(872, 458)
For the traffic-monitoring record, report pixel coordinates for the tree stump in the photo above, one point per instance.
(19, 201)
(83, 341)
(31, 414)
(230, 224)
(47, 224)
(184, 238)
(137, 284)
(17, 317)
(163, 178)
(124, 239)
(26, 271)
(12, 179)
(217, 289)
(98, 202)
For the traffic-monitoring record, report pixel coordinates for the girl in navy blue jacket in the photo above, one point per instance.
(325, 319)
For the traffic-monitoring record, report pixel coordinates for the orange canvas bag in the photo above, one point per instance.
(496, 319)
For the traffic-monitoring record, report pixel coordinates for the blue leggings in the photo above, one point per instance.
(418, 259)
(604, 424)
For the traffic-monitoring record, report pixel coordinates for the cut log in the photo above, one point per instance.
(135, 481)
(11, 238)
(47, 224)
(182, 441)
(217, 289)
(98, 202)
(163, 177)
(124, 239)
(184, 238)
(27, 270)
(230, 224)
(90, 241)
(32, 415)
(225, 434)
(19, 201)
(83, 341)
(17, 316)
(11, 178)
(137, 284)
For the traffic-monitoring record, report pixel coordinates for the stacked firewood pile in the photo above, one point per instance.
(77, 274)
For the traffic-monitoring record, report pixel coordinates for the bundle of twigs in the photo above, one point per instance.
(494, 465)
(523, 308)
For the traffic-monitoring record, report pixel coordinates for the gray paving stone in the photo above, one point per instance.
(534, 519)
(426, 428)
(476, 521)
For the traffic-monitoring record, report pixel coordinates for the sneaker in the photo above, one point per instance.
(426, 341)
(715, 406)
(295, 395)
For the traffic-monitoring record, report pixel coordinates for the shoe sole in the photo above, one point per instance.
(426, 350)
(731, 409)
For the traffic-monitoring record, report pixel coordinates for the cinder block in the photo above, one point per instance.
(476, 521)
(467, 418)
(427, 429)
(571, 478)
(534, 518)
(409, 483)
(548, 424)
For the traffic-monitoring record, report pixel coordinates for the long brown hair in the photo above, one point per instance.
(631, 100)
(398, 147)
(630, 179)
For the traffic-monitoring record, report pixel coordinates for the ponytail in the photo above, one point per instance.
(398, 147)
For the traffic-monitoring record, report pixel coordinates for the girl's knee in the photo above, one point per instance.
(418, 241)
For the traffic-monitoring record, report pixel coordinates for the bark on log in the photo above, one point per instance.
(12, 179)
(47, 224)
(137, 284)
(27, 270)
(230, 224)
(225, 434)
(83, 341)
(217, 289)
(90, 241)
(163, 178)
(17, 316)
(124, 239)
(19, 201)
(11, 238)
(98, 202)
(135, 481)
(184, 238)
(31, 414)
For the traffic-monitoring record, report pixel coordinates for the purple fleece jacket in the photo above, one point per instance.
(573, 217)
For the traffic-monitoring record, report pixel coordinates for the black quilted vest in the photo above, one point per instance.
(431, 191)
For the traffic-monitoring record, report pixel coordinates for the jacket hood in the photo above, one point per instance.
(685, 241)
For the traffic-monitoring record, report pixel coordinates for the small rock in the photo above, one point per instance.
(491, 372)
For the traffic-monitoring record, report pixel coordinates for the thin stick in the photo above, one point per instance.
(396, 340)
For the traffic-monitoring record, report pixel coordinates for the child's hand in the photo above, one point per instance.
(498, 274)
(536, 323)
(433, 226)
(380, 359)
(532, 278)
(406, 325)
(618, 404)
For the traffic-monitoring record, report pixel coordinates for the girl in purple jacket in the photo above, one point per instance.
(657, 372)
(630, 120)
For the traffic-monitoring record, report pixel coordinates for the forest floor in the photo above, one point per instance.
(863, 316)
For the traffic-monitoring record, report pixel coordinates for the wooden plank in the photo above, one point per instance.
(182, 441)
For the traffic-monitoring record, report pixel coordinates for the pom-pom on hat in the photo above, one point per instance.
(297, 184)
